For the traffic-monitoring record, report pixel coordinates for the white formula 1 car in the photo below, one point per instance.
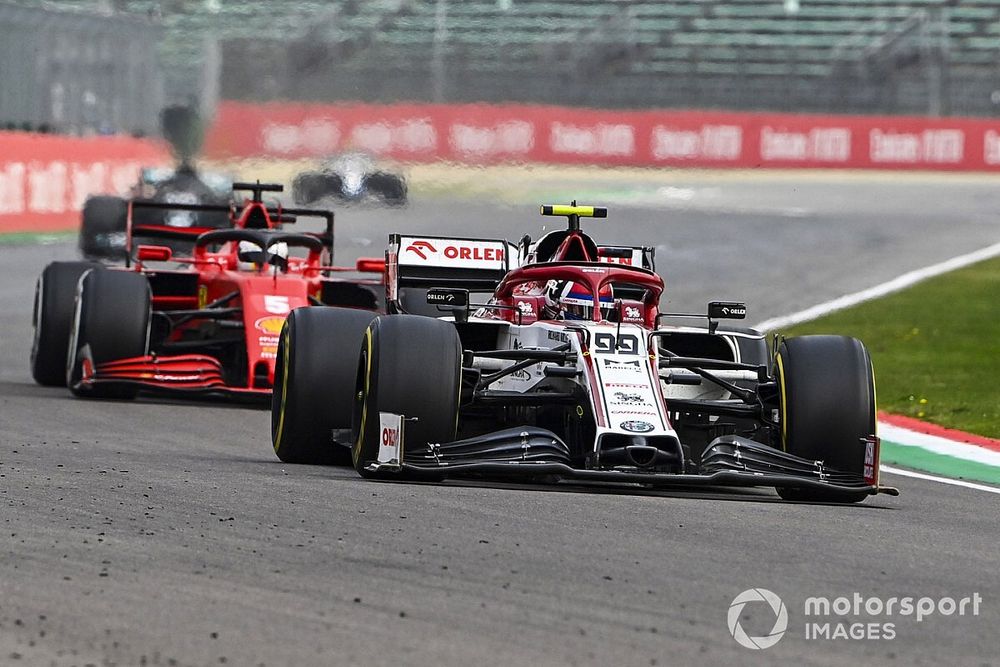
(567, 370)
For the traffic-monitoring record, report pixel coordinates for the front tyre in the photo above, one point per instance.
(52, 319)
(409, 366)
(390, 188)
(311, 186)
(111, 321)
(827, 406)
(314, 383)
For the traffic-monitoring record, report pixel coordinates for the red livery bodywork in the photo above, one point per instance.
(216, 318)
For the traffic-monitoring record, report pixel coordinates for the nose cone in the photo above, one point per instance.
(641, 456)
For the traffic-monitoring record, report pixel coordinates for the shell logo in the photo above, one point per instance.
(270, 325)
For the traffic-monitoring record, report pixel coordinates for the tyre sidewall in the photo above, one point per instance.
(52, 319)
(827, 399)
(314, 383)
(409, 365)
(111, 321)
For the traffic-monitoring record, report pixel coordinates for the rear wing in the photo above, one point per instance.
(277, 215)
(477, 265)
(255, 206)
(641, 256)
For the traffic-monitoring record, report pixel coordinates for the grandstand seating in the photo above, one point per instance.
(636, 52)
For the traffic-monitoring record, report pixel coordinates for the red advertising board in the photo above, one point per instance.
(486, 134)
(45, 179)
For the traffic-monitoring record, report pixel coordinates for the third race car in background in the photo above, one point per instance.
(351, 177)
(569, 371)
(103, 226)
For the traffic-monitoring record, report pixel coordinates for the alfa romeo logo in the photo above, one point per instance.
(777, 608)
(637, 426)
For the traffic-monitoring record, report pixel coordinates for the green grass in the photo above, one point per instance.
(935, 347)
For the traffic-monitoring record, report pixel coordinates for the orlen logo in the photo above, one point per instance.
(485, 254)
(458, 252)
(420, 246)
(389, 437)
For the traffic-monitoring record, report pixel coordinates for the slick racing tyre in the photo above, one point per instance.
(390, 188)
(102, 231)
(409, 366)
(52, 319)
(314, 383)
(311, 186)
(827, 396)
(111, 321)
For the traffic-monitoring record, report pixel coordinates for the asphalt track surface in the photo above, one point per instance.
(167, 533)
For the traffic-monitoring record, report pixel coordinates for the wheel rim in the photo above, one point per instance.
(359, 413)
(36, 320)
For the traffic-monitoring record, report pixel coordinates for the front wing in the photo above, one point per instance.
(187, 374)
(534, 452)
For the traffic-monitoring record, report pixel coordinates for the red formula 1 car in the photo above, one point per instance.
(206, 319)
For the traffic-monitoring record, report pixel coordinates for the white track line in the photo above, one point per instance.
(941, 480)
(894, 285)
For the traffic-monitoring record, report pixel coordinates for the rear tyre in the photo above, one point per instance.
(52, 319)
(827, 396)
(314, 383)
(102, 231)
(410, 366)
(111, 318)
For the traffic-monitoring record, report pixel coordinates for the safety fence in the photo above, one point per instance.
(45, 179)
(78, 72)
(491, 134)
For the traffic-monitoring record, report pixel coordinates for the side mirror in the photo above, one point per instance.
(153, 253)
(454, 300)
(448, 298)
(727, 310)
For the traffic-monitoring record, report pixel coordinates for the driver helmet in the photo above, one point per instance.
(570, 300)
(245, 248)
